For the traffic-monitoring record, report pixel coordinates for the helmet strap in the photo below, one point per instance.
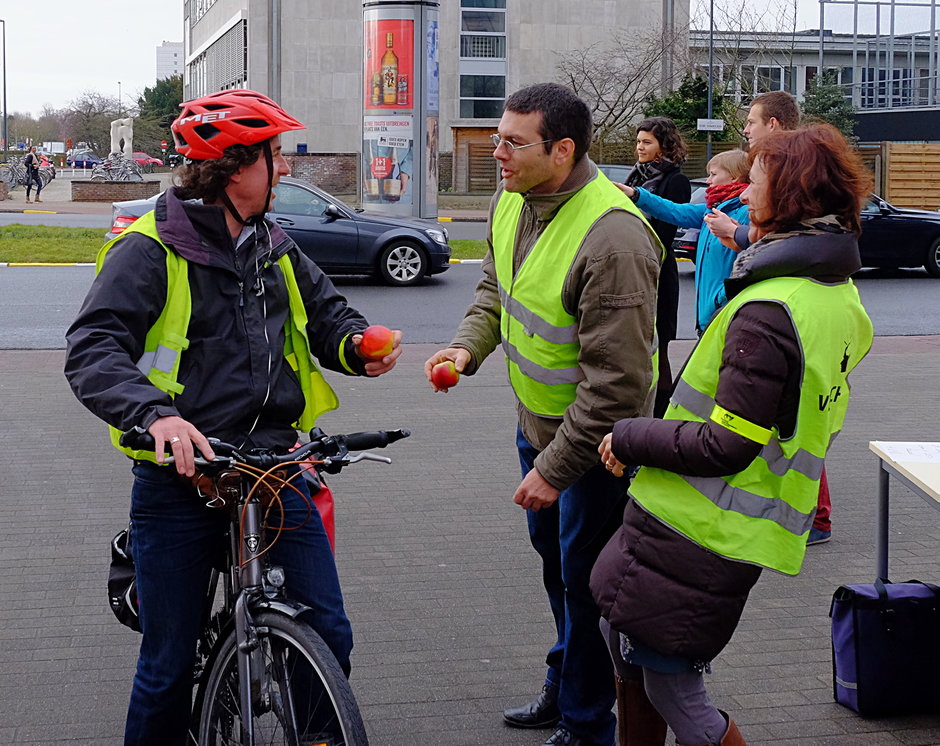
(231, 208)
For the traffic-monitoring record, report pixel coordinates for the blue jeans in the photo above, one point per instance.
(569, 536)
(175, 540)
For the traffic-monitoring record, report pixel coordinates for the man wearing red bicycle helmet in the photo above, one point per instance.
(206, 320)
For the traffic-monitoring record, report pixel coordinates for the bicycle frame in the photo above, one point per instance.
(245, 594)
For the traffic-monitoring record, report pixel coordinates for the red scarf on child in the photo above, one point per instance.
(718, 193)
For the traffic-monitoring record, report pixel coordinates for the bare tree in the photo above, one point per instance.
(88, 119)
(753, 49)
(617, 77)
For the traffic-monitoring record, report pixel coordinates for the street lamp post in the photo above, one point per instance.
(6, 142)
(711, 79)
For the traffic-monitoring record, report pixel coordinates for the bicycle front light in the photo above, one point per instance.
(274, 576)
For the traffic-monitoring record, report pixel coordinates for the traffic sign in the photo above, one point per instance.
(163, 144)
(709, 125)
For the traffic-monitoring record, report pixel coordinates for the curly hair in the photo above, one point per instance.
(668, 135)
(207, 180)
(811, 172)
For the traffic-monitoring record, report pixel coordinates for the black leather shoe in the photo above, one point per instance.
(542, 713)
(564, 737)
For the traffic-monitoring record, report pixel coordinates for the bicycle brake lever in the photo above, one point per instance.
(366, 456)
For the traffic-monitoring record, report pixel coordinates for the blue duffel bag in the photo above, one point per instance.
(886, 647)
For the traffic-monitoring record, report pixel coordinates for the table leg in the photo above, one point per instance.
(881, 527)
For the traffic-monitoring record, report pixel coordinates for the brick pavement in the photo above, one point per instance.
(441, 584)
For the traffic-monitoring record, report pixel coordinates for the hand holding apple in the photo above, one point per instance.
(444, 375)
(444, 367)
(377, 342)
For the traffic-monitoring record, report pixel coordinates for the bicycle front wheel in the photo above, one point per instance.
(300, 695)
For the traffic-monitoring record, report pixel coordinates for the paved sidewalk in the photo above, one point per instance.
(57, 198)
(441, 584)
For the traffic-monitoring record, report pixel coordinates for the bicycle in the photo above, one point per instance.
(14, 173)
(116, 168)
(263, 675)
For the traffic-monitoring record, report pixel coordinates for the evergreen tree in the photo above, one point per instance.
(162, 102)
(688, 103)
(159, 106)
(824, 101)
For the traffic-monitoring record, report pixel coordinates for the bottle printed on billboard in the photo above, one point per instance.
(389, 64)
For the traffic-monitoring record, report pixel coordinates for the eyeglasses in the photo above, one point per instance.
(512, 147)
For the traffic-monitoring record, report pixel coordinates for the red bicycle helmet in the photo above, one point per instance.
(210, 124)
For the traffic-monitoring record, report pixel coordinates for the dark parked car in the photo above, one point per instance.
(339, 238)
(686, 240)
(615, 172)
(83, 160)
(899, 236)
(891, 237)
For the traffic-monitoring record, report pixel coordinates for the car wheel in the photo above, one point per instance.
(402, 263)
(932, 265)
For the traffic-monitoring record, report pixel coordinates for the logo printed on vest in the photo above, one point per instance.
(831, 398)
(845, 359)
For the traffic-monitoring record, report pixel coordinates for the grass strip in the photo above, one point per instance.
(49, 244)
(465, 248)
(57, 244)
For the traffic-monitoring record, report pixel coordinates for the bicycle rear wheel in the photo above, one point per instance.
(303, 698)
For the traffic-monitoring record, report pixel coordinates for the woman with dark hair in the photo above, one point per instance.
(730, 476)
(659, 152)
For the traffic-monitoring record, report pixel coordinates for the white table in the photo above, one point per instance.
(917, 466)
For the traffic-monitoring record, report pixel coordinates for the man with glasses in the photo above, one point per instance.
(569, 292)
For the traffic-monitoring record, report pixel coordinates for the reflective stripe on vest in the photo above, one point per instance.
(763, 513)
(539, 337)
(166, 340)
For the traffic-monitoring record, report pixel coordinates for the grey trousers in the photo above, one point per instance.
(680, 698)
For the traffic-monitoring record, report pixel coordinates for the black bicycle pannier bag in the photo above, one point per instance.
(122, 582)
(886, 647)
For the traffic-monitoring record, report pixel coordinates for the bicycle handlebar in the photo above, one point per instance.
(332, 450)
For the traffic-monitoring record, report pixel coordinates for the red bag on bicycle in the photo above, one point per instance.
(324, 502)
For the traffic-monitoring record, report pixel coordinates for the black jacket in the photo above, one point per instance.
(669, 183)
(234, 371)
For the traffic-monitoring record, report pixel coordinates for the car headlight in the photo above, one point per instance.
(438, 236)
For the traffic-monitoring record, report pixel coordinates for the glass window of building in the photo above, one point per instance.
(482, 63)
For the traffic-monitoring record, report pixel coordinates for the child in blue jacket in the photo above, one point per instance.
(727, 178)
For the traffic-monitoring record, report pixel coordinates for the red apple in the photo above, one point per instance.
(444, 375)
(377, 342)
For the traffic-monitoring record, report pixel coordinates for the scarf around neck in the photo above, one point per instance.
(718, 193)
(649, 175)
(812, 227)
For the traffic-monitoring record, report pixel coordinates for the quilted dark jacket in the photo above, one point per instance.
(652, 583)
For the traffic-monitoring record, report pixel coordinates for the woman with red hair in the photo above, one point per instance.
(729, 478)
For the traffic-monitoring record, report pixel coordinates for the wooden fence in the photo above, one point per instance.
(912, 174)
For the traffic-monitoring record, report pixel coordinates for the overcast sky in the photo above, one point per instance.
(57, 49)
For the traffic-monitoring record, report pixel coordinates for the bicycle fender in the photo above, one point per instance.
(287, 608)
